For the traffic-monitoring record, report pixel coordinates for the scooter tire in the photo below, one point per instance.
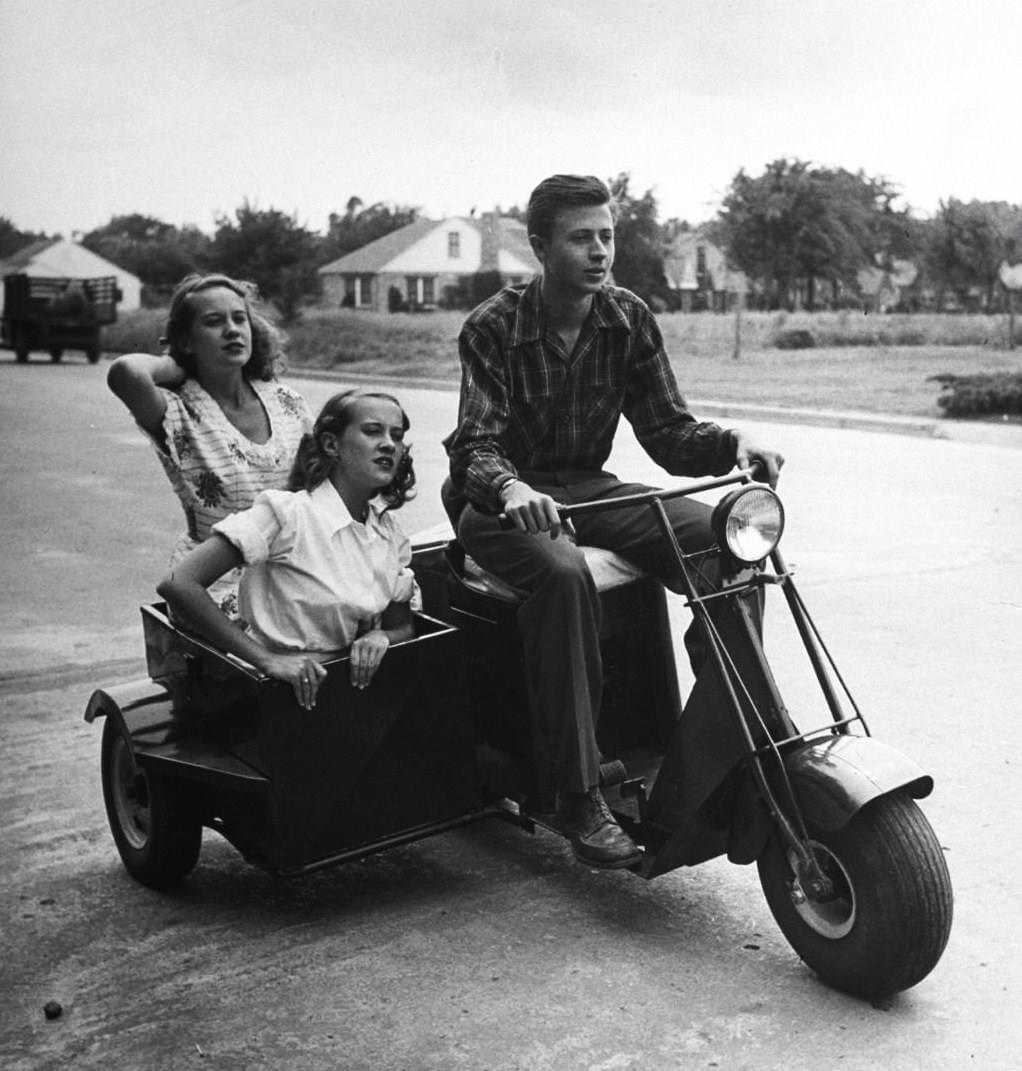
(889, 921)
(155, 820)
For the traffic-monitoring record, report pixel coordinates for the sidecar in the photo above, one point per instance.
(439, 739)
(208, 741)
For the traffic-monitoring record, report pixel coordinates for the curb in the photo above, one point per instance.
(831, 418)
(1007, 434)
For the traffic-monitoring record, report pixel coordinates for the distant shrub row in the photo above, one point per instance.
(345, 329)
(993, 394)
(838, 330)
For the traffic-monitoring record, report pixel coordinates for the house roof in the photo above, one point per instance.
(681, 261)
(902, 273)
(371, 258)
(16, 261)
(511, 236)
(60, 257)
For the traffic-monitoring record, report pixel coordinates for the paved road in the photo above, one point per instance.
(487, 948)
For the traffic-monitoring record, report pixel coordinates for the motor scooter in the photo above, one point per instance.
(850, 868)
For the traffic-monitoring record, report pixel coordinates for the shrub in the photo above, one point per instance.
(136, 332)
(797, 338)
(994, 394)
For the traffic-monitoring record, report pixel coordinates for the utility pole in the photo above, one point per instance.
(1011, 279)
(736, 353)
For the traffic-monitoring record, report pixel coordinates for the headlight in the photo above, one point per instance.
(748, 522)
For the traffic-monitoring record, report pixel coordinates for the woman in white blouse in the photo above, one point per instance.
(326, 563)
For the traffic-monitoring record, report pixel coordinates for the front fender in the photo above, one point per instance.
(144, 708)
(836, 777)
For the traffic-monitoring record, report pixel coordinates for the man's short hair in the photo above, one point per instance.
(564, 191)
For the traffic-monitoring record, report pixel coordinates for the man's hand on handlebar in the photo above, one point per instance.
(530, 510)
(766, 463)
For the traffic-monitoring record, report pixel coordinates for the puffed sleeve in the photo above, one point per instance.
(258, 532)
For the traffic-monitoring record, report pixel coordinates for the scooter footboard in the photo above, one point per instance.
(836, 777)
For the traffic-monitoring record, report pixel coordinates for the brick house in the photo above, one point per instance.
(428, 264)
(697, 271)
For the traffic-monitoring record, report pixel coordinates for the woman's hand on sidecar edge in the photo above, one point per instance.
(301, 671)
(766, 463)
(366, 655)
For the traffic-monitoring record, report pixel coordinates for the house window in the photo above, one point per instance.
(421, 291)
(358, 291)
(453, 245)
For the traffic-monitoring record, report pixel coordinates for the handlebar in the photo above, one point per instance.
(645, 497)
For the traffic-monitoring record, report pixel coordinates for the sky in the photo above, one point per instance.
(184, 110)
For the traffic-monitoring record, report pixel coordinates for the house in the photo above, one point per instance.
(430, 263)
(698, 272)
(61, 259)
(885, 287)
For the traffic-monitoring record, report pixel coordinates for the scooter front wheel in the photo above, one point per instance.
(885, 925)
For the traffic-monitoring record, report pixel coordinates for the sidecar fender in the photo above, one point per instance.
(836, 777)
(159, 738)
(144, 709)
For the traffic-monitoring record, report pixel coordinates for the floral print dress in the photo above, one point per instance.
(216, 470)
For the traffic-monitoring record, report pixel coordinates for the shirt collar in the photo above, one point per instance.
(330, 506)
(528, 325)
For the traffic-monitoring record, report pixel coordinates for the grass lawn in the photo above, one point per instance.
(858, 363)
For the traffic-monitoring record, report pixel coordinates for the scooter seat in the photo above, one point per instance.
(609, 570)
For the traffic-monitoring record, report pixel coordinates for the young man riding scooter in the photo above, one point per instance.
(548, 369)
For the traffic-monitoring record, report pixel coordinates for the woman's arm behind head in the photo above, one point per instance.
(136, 378)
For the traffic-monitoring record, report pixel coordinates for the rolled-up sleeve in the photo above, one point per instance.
(255, 532)
(660, 417)
(479, 462)
(404, 587)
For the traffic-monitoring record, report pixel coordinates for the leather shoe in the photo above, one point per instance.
(595, 836)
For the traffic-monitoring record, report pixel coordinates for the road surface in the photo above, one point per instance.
(487, 948)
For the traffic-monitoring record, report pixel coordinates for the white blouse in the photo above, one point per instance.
(314, 577)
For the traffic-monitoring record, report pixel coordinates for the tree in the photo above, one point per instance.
(797, 224)
(12, 239)
(159, 253)
(360, 225)
(638, 241)
(968, 242)
(270, 249)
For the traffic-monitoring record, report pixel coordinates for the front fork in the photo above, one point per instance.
(752, 698)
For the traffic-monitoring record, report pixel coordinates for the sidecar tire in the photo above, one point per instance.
(891, 920)
(155, 820)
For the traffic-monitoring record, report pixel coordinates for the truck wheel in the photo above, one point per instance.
(93, 354)
(55, 354)
(887, 923)
(155, 819)
(21, 346)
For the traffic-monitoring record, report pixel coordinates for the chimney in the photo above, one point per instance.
(490, 247)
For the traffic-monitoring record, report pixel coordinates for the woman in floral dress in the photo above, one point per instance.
(224, 428)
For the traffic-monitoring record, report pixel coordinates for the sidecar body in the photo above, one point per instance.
(440, 738)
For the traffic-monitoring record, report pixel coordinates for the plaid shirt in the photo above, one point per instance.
(527, 406)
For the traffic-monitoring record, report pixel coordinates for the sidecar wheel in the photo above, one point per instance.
(888, 922)
(155, 820)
